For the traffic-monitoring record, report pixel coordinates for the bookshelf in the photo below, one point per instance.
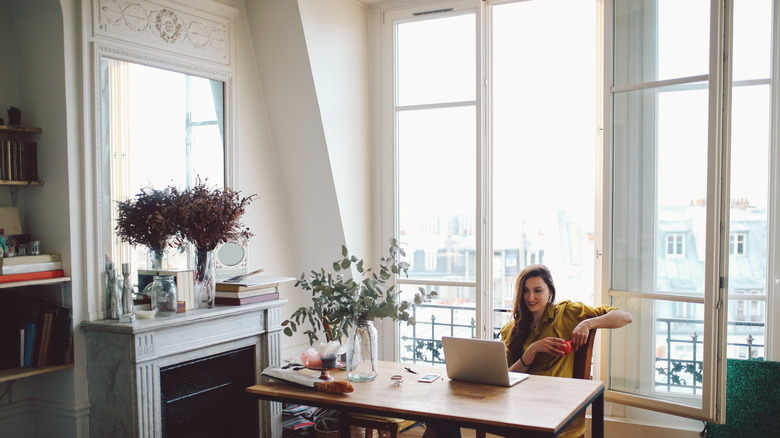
(23, 372)
(18, 160)
(16, 284)
(20, 373)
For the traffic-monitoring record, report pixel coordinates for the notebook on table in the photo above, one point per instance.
(478, 361)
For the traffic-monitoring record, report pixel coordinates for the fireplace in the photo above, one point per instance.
(206, 398)
(170, 377)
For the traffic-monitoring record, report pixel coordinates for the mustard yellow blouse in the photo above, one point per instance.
(558, 321)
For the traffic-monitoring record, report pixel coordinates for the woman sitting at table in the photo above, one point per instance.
(536, 336)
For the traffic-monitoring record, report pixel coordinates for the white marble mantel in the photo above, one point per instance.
(124, 361)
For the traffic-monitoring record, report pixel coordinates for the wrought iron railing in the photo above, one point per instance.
(680, 373)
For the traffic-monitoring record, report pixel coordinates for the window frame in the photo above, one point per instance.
(717, 212)
(717, 217)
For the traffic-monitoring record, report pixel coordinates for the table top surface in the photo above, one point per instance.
(538, 403)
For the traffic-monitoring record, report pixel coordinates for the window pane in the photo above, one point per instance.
(660, 186)
(436, 60)
(206, 98)
(437, 192)
(544, 141)
(750, 131)
(422, 342)
(660, 354)
(660, 39)
(206, 162)
(752, 39)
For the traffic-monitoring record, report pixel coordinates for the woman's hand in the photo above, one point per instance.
(552, 345)
(615, 318)
(579, 336)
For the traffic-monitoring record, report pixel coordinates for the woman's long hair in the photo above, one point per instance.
(520, 312)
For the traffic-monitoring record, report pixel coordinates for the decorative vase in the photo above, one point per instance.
(205, 282)
(362, 352)
(164, 301)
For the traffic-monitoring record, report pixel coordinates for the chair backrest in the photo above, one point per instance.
(583, 358)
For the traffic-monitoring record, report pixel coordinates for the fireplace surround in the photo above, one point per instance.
(127, 362)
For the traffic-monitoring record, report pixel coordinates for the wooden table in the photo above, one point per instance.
(539, 406)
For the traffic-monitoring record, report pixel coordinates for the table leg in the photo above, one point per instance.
(597, 416)
(345, 428)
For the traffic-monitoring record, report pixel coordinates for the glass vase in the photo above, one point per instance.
(205, 282)
(156, 259)
(362, 352)
(163, 290)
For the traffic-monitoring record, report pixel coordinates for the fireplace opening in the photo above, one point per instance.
(205, 397)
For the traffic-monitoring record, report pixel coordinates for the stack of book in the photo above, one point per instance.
(32, 267)
(252, 290)
(18, 161)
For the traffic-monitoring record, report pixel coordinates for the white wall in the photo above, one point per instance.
(336, 33)
(298, 137)
(9, 74)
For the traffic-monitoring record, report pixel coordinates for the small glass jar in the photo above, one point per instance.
(163, 292)
(397, 380)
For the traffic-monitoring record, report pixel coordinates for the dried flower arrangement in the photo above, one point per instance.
(207, 217)
(145, 218)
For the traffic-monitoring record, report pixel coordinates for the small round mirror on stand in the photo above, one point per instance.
(231, 259)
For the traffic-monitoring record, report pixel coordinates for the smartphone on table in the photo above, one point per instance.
(428, 378)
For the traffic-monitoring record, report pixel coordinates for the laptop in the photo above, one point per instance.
(478, 361)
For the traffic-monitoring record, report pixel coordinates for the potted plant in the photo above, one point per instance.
(147, 219)
(206, 218)
(345, 308)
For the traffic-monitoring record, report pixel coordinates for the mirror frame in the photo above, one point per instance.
(105, 230)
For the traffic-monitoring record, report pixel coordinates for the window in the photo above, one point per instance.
(485, 180)
(477, 140)
(737, 243)
(675, 245)
(669, 91)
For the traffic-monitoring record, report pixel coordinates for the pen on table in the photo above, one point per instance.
(410, 370)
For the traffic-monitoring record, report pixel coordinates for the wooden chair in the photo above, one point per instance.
(385, 426)
(582, 365)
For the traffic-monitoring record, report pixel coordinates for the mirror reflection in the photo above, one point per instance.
(160, 128)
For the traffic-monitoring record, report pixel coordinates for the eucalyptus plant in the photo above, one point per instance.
(339, 301)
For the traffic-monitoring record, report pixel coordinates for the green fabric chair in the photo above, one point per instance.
(752, 400)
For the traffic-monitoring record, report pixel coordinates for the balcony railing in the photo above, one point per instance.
(679, 372)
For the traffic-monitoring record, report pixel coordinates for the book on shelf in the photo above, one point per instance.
(32, 311)
(28, 276)
(42, 347)
(28, 335)
(248, 300)
(46, 340)
(61, 331)
(246, 293)
(18, 161)
(29, 259)
(251, 284)
(30, 267)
